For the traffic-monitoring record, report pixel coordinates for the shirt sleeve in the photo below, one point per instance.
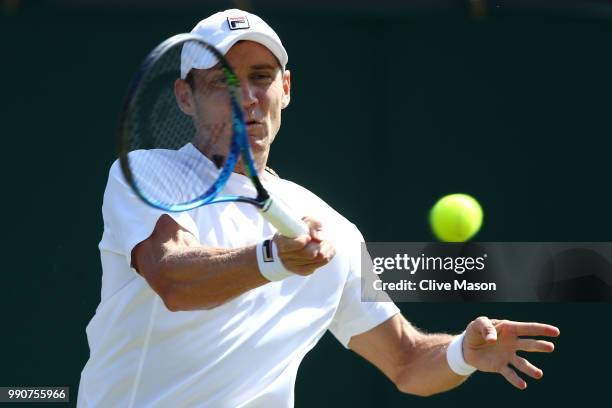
(128, 219)
(356, 315)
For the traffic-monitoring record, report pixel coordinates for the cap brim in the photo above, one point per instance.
(208, 61)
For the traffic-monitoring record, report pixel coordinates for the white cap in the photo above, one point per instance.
(224, 29)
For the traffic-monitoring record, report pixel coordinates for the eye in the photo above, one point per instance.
(262, 77)
(219, 81)
(215, 82)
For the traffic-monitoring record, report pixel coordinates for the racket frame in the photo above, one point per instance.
(239, 147)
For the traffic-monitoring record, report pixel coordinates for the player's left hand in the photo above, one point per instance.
(491, 345)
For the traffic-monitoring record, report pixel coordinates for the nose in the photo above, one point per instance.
(249, 98)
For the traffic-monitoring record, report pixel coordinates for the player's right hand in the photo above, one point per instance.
(304, 254)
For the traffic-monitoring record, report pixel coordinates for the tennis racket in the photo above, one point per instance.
(178, 161)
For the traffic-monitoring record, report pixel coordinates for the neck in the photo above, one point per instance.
(259, 167)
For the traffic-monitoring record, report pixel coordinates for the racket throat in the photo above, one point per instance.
(263, 196)
(264, 199)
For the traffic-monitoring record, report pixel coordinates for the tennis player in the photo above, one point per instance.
(211, 308)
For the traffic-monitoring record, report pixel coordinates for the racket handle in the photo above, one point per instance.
(279, 215)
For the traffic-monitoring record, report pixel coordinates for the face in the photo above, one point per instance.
(265, 92)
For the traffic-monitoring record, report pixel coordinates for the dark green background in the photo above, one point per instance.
(389, 112)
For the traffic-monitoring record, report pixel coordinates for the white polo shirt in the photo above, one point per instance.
(244, 353)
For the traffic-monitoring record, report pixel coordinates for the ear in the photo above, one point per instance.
(184, 96)
(286, 89)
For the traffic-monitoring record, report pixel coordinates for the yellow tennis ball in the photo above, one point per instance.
(456, 218)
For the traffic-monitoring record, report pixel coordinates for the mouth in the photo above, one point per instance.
(253, 123)
(255, 129)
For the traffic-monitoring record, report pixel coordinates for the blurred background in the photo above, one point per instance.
(395, 103)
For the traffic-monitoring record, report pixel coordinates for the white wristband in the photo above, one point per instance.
(270, 265)
(454, 356)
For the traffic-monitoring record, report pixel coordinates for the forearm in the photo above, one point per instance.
(190, 276)
(425, 370)
(414, 361)
(202, 277)
(417, 362)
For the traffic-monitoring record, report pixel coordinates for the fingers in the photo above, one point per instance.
(306, 267)
(512, 377)
(285, 244)
(484, 326)
(306, 253)
(488, 331)
(533, 329)
(526, 367)
(533, 345)
(313, 252)
(315, 228)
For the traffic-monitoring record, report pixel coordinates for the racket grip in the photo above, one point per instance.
(287, 223)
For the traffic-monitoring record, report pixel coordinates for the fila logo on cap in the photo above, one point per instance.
(238, 23)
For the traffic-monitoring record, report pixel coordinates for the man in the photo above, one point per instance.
(190, 315)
